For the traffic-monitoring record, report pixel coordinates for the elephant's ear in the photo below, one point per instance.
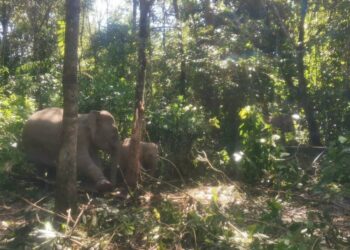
(92, 122)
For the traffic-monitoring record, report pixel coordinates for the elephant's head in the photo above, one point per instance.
(103, 130)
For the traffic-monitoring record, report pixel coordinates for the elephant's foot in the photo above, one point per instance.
(104, 186)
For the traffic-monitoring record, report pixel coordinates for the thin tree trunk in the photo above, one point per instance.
(5, 48)
(81, 36)
(163, 28)
(5, 55)
(304, 98)
(133, 170)
(182, 77)
(208, 12)
(134, 15)
(66, 193)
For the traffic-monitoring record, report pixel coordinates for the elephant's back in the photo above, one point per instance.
(49, 114)
(42, 133)
(43, 122)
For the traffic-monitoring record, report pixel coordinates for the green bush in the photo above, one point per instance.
(257, 142)
(263, 157)
(335, 165)
(177, 126)
(14, 110)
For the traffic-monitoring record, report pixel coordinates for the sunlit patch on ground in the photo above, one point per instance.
(294, 214)
(222, 195)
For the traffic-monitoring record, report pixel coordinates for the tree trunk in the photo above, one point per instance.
(133, 170)
(304, 98)
(182, 77)
(66, 193)
(134, 15)
(163, 28)
(5, 48)
(208, 12)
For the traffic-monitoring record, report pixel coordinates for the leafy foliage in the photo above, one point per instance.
(177, 125)
(14, 110)
(335, 165)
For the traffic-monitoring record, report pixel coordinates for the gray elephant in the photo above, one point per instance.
(149, 157)
(96, 131)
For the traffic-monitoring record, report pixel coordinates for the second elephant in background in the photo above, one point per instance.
(149, 156)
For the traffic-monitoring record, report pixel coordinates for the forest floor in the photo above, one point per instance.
(216, 215)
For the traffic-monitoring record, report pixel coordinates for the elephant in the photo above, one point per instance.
(41, 139)
(149, 157)
(283, 123)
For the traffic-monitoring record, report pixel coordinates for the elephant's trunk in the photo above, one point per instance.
(131, 174)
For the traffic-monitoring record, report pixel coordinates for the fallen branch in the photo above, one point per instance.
(202, 156)
(44, 209)
(83, 209)
(267, 224)
(173, 186)
(176, 168)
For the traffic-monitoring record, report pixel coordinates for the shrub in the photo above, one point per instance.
(335, 165)
(14, 110)
(263, 156)
(177, 126)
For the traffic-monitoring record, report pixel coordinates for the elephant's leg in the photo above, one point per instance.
(88, 169)
(95, 158)
(45, 164)
(41, 157)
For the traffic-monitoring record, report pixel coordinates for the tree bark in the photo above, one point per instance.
(208, 12)
(304, 98)
(182, 77)
(66, 193)
(6, 10)
(5, 48)
(134, 15)
(163, 28)
(133, 170)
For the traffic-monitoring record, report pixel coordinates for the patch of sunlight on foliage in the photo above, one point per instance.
(237, 156)
(342, 139)
(334, 187)
(214, 122)
(60, 35)
(296, 117)
(224, 157)
(245, 112)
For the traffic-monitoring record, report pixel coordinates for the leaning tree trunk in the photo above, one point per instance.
(66, 193)
(304, 98)
(133, 170)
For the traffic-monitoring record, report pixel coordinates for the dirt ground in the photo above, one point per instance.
(24, 214)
